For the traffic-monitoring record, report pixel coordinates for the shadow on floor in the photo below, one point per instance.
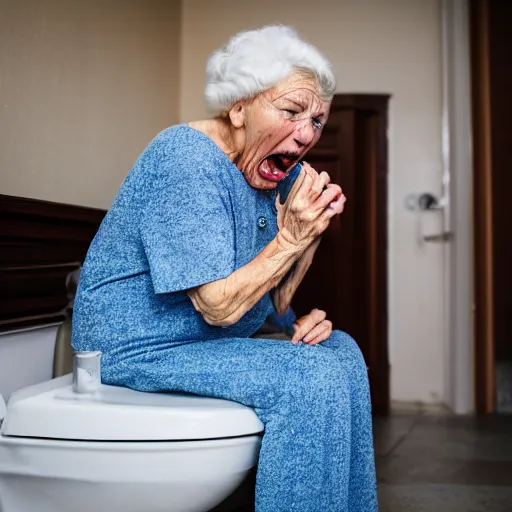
(432, 463)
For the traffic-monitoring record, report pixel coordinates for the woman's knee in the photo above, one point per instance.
(316, 370)
(348, 350)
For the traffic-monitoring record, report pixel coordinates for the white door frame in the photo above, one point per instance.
(457, 182)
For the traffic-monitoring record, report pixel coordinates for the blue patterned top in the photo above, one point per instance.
(183, 217)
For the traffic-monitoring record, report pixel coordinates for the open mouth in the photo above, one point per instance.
(274, 167)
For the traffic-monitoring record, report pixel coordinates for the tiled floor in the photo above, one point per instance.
(430, 462)
(441, 463)
(504, 386)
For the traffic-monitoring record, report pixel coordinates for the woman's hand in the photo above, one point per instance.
(311, 204)
(312, 328)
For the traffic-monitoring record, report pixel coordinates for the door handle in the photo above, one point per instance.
(447, 236)
(421, 204)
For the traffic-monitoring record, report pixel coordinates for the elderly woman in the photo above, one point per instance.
(197, 251)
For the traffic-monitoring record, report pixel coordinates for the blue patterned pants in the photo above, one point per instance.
(317, 449)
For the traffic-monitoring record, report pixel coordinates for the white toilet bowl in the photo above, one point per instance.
(122, 450)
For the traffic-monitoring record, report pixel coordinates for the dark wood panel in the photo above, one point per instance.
(15, 253)
(500, 62)
(327, 141)
(40, 244)
(32, 281)
(23, 206)
(20, 307)
(482, 208)
(13, 228)
(348, 276)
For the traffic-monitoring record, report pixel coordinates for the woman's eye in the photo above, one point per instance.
(317, 123)
(291, 112)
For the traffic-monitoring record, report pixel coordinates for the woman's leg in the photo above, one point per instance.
(362, 487)
(305, 453)
(302, 395)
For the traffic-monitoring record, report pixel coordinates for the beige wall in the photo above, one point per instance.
(85, 85)
(383, 46)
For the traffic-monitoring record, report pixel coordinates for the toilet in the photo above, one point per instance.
(108, 448)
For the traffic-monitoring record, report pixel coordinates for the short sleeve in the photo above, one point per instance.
(187, 229)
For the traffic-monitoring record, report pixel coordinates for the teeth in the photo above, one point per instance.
(273, 171)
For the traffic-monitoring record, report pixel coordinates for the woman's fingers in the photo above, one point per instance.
(312, 202)
(307, 177)
(305, 324)
(321, 182)
(320, 333)
(313, 183)
(334, 208)
(297, 186)
(330, 195)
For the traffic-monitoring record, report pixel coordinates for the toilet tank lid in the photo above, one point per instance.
(52, 410)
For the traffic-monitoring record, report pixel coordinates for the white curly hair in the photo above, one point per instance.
(254, 61)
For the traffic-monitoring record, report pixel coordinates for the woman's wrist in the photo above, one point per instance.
(287, 243)
(285, 289)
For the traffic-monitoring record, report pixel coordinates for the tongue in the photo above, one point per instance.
(272, 165)
(270, 170)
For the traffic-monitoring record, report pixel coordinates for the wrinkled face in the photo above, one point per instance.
(279, 126)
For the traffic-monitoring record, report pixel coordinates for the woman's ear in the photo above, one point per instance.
(237, 115)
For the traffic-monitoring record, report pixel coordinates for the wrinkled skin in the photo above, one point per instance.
(287, 119)
(265, 137)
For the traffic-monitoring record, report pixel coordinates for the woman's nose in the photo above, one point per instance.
(304, 135)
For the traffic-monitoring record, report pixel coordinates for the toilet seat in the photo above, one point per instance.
(52, 410)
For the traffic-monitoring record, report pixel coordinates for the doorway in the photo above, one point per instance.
(348, 276)
(491, 58)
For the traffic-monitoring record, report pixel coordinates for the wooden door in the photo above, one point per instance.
(348, 276)
(491, 57)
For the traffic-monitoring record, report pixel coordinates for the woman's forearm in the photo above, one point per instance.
(225, 301)
(287, 288)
